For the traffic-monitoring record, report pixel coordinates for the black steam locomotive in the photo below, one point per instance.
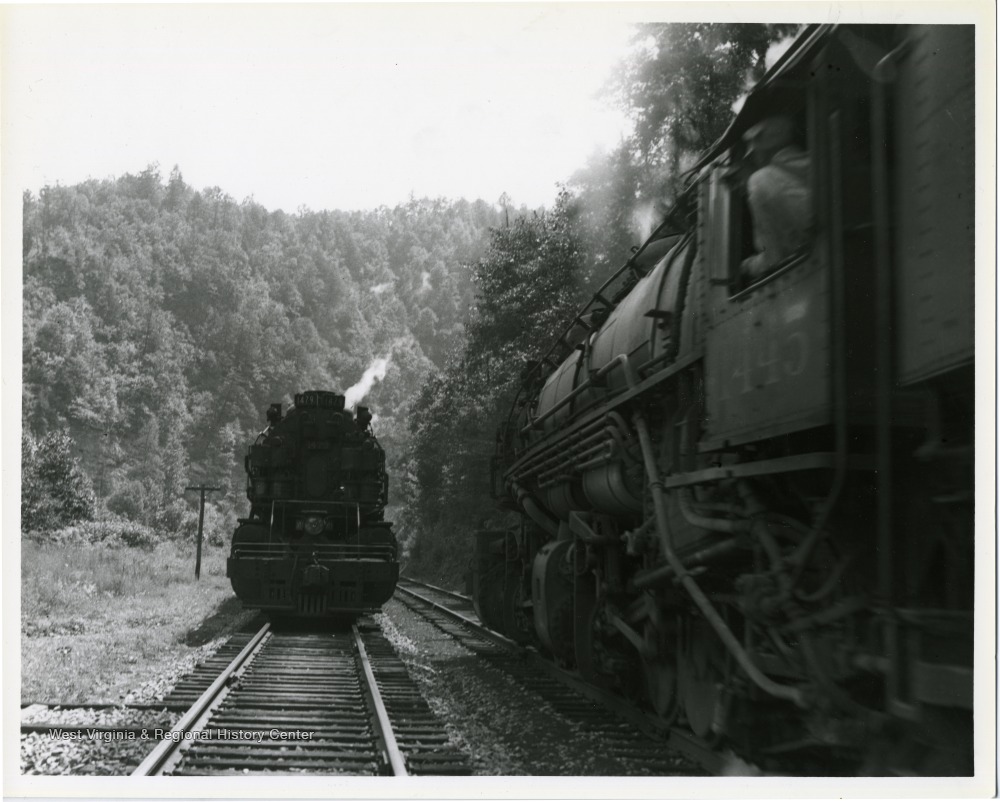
(748, 499)
(315, 543)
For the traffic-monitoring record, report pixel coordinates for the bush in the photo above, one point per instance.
(54, 491)
(220, 523)
(111, 532)
(123, 532)
(133, 499)
(177, 519)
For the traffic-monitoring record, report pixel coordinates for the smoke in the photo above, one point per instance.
(774, 52)
(378, 289)
(425, 279)
(645, 217)
(374, 372)
(777, 50)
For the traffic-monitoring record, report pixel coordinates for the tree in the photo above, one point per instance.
(159, 321)
(605, 211)
(54, 490)
(680, 84)
(528, 286)
(62, 358)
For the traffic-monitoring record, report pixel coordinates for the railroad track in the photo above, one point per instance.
(343, 702)
(316, 703)
(461, 598)
(630, 731)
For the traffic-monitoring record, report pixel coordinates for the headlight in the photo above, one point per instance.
(314, 525)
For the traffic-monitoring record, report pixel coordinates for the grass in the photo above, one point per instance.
(99, 621)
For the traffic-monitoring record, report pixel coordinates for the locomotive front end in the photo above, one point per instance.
(315, 543)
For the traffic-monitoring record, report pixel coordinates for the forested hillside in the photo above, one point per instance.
(161, 320)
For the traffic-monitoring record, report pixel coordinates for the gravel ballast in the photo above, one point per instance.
(503, 727)
(95, 750)
(506, 729)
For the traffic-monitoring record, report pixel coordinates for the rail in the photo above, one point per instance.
(479, 628)
(380, 718)
(437, 589)
(168, 752)
(678, 739)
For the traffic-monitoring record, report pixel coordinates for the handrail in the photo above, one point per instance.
(321, 550)
(596, 299)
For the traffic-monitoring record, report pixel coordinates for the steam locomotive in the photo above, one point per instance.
(315, 543)
(747, 502)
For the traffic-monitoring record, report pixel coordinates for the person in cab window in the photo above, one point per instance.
(778, 194)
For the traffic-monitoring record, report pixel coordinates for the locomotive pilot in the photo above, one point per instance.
(778, 193)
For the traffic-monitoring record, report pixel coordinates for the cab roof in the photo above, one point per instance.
(761, 100)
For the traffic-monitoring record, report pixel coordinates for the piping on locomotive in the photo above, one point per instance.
(751, 497)
(315, 542)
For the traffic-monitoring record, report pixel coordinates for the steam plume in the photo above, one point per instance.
(373, 373)
(774, 52)
(777, 50)
(645, 218)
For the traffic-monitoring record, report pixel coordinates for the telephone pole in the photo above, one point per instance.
(201, 522)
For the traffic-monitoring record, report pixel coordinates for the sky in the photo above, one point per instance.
(321, 106)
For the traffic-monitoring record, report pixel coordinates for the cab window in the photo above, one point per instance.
(771, 204)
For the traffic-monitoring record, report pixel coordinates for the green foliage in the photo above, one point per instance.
(604, 209)
(110, 532)
(134, 500)
(160, 321)
(527, 287)
(178, 517)
(54, 491)
(680, 85)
